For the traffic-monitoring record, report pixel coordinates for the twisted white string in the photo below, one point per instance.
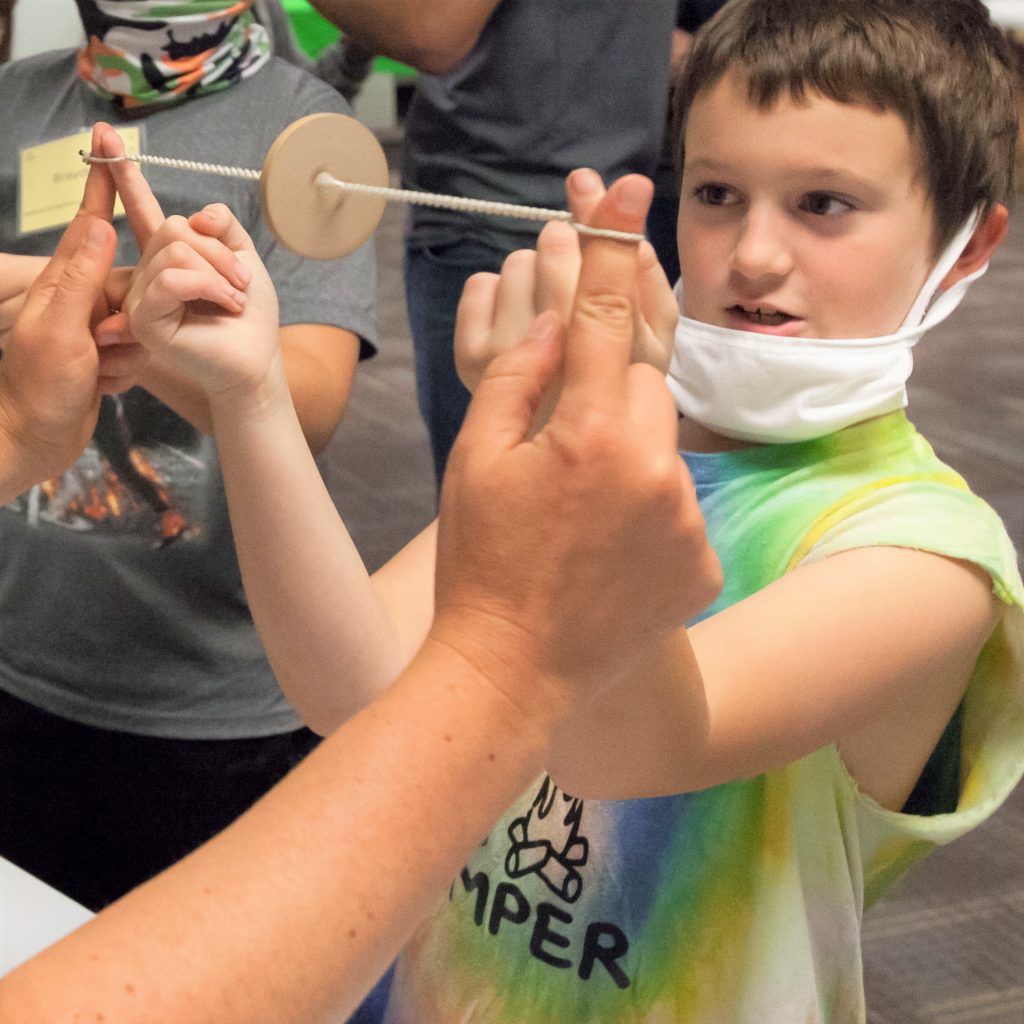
(395, 195)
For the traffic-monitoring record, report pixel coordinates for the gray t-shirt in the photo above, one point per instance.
(550, 86)
(121, 602)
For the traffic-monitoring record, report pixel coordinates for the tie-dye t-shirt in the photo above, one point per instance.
(740, 904)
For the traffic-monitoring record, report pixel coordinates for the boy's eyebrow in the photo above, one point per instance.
(837, 174)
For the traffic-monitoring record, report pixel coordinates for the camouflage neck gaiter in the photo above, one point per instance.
(146, 52)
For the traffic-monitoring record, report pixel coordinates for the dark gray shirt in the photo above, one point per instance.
(121, 603)
(551, 85)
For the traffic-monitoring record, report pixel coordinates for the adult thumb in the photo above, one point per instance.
(78, 283)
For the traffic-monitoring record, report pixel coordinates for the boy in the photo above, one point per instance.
(854, 696)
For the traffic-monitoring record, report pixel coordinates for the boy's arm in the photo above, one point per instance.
(431, 37)
(333, 642)
(871, 649)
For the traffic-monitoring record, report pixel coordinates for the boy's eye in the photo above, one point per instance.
(824, 204)
(715, 195)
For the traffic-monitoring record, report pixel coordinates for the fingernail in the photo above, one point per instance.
(108, 338)
(544, 327)
(242, 272)
(585, 181)
(634, 196)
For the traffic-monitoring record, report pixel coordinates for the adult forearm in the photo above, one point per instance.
(272, 922)
(432, 37)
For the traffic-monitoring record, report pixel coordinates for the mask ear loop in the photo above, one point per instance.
(932, 306)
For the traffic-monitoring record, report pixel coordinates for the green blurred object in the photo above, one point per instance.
(314, 32)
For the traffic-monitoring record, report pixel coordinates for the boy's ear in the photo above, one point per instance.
(987, 236)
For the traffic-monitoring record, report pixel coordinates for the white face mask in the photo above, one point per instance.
(767, 389)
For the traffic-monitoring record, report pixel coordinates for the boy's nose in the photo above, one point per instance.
(760, 250)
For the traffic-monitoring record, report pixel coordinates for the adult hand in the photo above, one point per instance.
(563, 554)
(496, 309)
(52, 373)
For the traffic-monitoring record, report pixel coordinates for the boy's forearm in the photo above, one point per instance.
(328, 638)
(646, 738)
(270, 923)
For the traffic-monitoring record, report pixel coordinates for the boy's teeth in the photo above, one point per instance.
(768, 319)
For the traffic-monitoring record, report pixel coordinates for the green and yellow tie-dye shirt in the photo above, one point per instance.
(740, 904)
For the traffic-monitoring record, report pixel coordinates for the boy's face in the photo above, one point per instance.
(805, 219)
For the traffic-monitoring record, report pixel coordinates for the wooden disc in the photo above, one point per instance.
(320, 221)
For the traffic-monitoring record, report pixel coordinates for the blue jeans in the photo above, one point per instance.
(434, 278)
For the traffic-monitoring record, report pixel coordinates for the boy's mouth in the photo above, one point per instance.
(760, 318)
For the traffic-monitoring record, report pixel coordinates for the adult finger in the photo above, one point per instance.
(142, 207)
(510, 393)
(600, 335)
(120, 367)
(66, 292)
(100, 192)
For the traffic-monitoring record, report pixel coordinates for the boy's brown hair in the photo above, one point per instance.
(941, 65)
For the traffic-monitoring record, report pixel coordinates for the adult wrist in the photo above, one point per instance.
(500, 654)
(19, 469)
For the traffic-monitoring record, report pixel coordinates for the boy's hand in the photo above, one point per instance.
(496, 310)
(200, 299)
(563, 554)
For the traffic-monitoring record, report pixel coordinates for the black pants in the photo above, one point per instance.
(94, 812)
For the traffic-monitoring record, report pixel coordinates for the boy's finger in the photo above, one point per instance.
(601, 330)
(144, 213)
(652, 408)
(558, 269)
(100, 192)
(514, 310)
(510, 393)
(584, 189)
(217, 221)
(474, 320)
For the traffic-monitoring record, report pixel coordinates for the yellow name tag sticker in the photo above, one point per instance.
(51, 179)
